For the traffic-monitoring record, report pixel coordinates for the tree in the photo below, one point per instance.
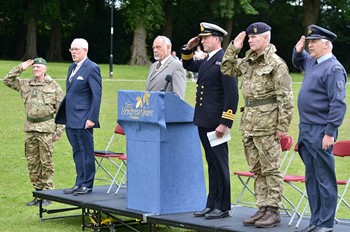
(228, 9)
(142, 16)
(30, 48)
(311, 12)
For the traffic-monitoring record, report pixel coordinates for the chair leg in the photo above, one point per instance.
(245, 186)
(296, 212)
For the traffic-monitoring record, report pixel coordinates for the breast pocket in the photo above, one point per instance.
(49, 97)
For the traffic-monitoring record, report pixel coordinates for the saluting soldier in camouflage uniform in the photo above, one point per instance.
(41, 97)
(267, 91)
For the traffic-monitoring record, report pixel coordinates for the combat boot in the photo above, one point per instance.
(45, 202)
(258, 214)
(271, 218)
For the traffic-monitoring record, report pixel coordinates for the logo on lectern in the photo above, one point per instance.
(142, 100)
(138, 109)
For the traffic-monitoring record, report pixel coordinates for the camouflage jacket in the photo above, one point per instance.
(263, 77)
(40, 98)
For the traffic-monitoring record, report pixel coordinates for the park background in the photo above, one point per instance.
(30, 28)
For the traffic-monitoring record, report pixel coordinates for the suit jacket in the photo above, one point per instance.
(83, 97)
(217, 94)
(156, 79)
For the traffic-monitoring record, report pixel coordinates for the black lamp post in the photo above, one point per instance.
(111, 51)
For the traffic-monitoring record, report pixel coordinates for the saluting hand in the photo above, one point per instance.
(238, 41)
(192, 43)
(27, 63)
(299, 47)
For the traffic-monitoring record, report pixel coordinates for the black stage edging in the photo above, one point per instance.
(99, 200)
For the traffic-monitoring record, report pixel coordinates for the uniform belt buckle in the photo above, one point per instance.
(248, 103)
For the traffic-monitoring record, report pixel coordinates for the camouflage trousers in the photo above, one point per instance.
(263, 154)
(38, 151)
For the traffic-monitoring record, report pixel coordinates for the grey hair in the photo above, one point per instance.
(330, 43)
(268, 33)
(165, 39)
(81, 42)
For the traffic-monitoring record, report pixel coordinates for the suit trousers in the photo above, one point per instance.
(82, 143)
(321, 183)
(219, 196)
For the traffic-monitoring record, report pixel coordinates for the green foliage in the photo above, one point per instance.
(143, 12)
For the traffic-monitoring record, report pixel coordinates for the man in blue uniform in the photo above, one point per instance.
(322, 108)
(216, 104)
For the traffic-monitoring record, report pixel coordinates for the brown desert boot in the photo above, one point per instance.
(271, 218)
(258, 214)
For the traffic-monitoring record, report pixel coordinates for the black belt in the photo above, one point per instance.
(43, 119)
(256, 102)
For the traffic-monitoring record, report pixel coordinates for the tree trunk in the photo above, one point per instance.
(55, 50)
(30, 49)
(138, 48)
(311, 12)
(227, 39)
(168, 26)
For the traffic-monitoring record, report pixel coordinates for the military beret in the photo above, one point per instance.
(316, 32)
(39, 60)
(211, 29)
(257, 28)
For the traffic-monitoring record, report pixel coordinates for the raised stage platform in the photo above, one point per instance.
(113, 205)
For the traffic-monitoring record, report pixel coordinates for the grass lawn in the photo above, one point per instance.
(15, 187)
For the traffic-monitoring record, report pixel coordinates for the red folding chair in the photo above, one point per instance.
(245, 177)
(294, 181)
(341, 149)
(117, 161)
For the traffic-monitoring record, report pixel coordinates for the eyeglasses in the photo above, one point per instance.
(74, 49)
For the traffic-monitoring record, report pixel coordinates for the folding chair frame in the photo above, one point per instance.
(286, 144)
(101, 155)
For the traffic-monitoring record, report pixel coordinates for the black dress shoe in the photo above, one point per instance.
(71, 190)
(202, 212)
(82, 191)
(34, 202)
(216, 213)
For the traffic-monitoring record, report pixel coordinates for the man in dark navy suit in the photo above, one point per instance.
(79, 111)
(216, 105)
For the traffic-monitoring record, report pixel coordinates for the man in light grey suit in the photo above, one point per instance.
(166, 65)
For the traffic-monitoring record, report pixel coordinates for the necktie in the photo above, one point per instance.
(72, 73)
(158, 65)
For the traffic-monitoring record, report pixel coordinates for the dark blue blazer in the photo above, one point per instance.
(216, 95)
(83, 97)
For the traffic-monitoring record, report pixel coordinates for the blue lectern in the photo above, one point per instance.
(164, 160)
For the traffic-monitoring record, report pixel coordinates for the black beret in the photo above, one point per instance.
(316, 32)
(257, 28)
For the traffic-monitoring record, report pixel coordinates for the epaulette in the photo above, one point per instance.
(338, 67)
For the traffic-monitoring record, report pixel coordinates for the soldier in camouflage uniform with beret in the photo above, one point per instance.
(41, 97)
(267, 91)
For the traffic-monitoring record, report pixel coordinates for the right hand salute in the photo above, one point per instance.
(27, 63)
(238, 41)
(299, 47)
(192, 43)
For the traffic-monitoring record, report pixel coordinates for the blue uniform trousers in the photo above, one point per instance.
(219, 196)
(320, 176)
(83, 154)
